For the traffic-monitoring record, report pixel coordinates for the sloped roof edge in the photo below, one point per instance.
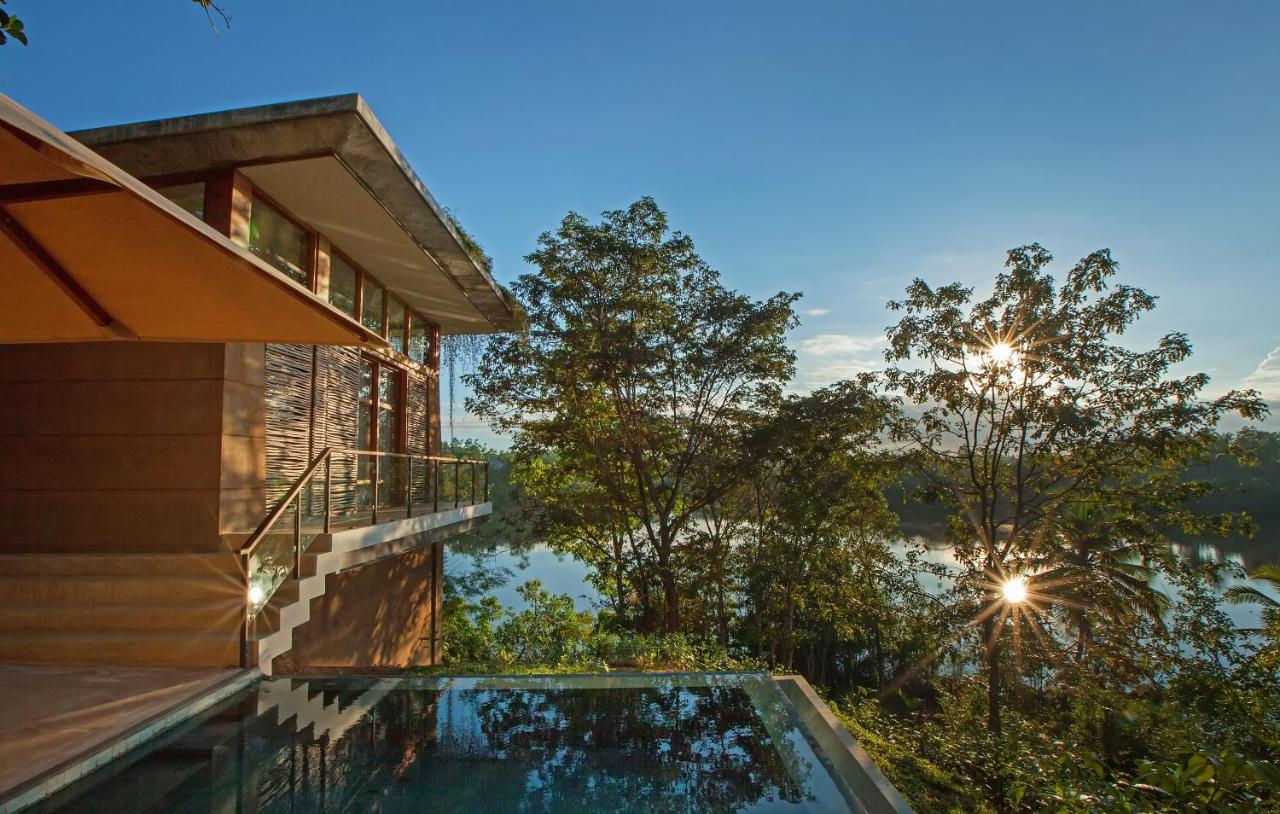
(343, 126)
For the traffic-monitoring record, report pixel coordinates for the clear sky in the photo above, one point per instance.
(839, 148)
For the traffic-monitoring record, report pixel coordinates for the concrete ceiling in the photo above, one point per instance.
(330, 162)
(325, 194)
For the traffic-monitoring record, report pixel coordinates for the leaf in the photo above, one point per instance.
(1268, 771)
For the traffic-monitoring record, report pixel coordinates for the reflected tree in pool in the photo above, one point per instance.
(652, 749)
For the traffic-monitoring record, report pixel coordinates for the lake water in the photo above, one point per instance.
(561, 574)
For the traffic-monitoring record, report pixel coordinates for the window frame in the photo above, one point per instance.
(411, 315)
(341, 256)
(313, 237)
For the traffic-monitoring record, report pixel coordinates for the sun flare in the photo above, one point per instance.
(1014, 590)
(1001, 353)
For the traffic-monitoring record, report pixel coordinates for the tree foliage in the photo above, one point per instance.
(634, 372)
(11, 27)
(726, 521)
(1026, 408)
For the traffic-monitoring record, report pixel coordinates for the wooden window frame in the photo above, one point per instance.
(411, 315)
(317, 242)
(379, 365)
(313, 237)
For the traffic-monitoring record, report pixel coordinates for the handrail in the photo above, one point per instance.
(256, 596)
(416, 456)
(260, 533)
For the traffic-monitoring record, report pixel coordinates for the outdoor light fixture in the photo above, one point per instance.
(256, 595)
(1014, 590)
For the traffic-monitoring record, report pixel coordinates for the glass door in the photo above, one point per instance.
(380, 427)
(390, 435)
(365, 435)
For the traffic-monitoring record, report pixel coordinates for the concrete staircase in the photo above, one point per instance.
(178, 609)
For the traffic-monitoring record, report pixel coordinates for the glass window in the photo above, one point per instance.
(390, 405)
(342, 285)
(419, 339)
(188, 196)
(364, 430)
(371, 315)
(281, 242)
(395, 324)
(390, 409)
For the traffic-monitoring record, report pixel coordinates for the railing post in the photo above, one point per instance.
(473, 483)
(246, 620)
(486, 480)
(457, 488)
(328, 488)
(373, 518)
(435, 501)
(297, 536)
(408, 490)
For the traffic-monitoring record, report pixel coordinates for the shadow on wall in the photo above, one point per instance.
(378, 615)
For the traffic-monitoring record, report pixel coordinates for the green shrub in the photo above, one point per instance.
(548, 635)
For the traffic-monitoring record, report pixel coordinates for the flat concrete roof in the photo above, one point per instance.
(301, 154)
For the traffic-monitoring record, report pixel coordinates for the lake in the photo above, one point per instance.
(562, 574)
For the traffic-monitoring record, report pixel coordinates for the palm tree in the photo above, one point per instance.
(1249, 595)
(1093, 572)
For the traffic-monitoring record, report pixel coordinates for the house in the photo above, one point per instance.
(220, 459)
(238, 475)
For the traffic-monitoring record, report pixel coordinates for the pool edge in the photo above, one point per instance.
(49, 782)
(869, 785)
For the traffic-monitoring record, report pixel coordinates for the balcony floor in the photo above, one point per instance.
(392, 513)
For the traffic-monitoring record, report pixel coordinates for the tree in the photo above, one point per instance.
(1270, 605)
(1090, 569)
(1025, 404)
(814, 558)
(11, 27)
(636, 369)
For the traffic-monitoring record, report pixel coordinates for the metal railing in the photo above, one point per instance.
(274, 550)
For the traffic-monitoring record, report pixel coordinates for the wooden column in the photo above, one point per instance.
(228, 203)
(321, 266)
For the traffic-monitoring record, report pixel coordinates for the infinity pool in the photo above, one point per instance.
(693, 742)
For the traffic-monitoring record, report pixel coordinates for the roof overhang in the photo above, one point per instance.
(89, 253)
(331, 164)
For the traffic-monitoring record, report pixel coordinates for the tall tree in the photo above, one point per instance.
(814, 563)
(635, 363)
(1024, 403)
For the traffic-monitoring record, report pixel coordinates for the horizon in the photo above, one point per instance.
(840, 153)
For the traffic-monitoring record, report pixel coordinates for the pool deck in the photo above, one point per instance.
(58, 722)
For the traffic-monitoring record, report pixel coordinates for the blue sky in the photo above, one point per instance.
(839, 149)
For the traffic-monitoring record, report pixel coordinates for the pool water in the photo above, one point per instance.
(693, 742)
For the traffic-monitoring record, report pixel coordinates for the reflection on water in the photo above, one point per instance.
(709, 743)
(645, 749)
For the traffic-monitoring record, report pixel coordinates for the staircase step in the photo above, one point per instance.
(199, 615)
(138, 589)
(155, 648)
(124, 565)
